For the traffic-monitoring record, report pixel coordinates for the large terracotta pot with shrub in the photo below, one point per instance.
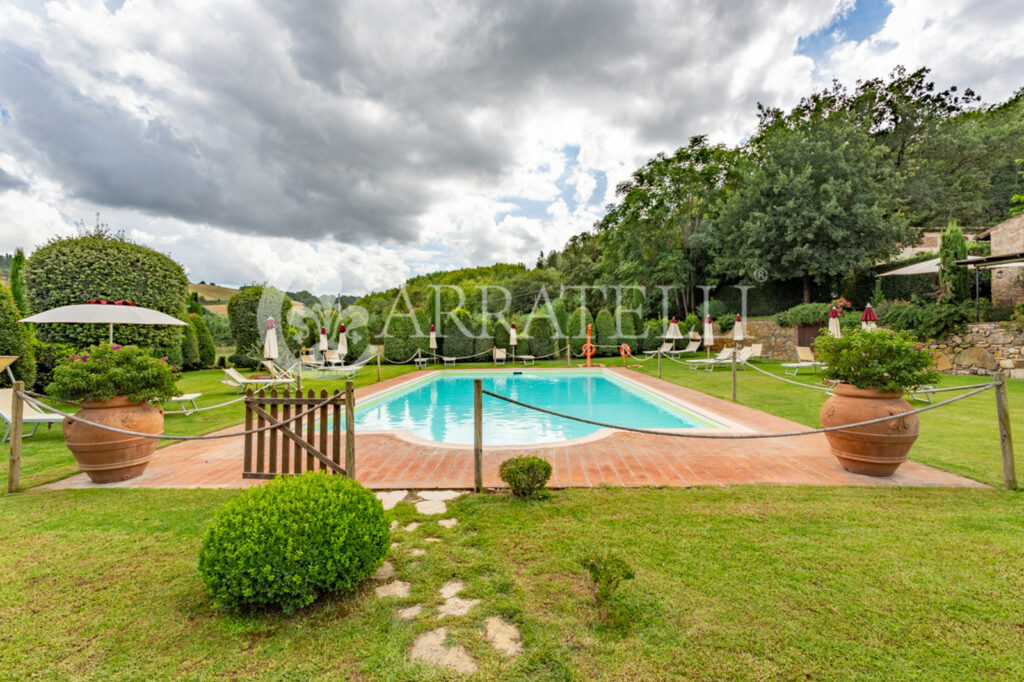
(873, 369)
(107, 456)
(113, 385)
(875, 449)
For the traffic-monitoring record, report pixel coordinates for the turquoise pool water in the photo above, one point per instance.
(440, 407)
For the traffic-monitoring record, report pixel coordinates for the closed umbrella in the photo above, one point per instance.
(104, 312)
(342, 343)
(513, 340)
(833, 323)
(737, 329)
(270, 342)
(868, 319)
(709, 334)
(322, 346)
(673, 330)
(433, 341)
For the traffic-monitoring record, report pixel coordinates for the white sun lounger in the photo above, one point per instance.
(233, 378)
(724, 355)
(30, 414)
(500, 354)
(806, 360)
(183, 401)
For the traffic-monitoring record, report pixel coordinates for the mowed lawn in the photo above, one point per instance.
(732, 583)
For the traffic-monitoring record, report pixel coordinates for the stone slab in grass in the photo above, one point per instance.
(431, 507)
(410, 527)
(409, 613)
(456, 606)
(398, 588)
(448, 523)
(430, 648)
(439, 495)
(386, 570)
(503, 636)
(392, 497)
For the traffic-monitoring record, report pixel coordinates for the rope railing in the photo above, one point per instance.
(739, 436)
(163, 436)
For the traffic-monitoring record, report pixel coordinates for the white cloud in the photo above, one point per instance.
(343, 147)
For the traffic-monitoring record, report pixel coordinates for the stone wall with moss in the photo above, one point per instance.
(983, 348)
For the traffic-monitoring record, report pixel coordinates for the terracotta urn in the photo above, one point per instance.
(108, 456)
(876, 449)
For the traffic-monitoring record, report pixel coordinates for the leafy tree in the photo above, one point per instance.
(656, 235)
(954, 280)
(1018, 199)
(818, 203)
(189, 349)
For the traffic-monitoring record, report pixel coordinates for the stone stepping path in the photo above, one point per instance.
(431, 647)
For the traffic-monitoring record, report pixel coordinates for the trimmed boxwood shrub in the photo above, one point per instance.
(627, 325)
(604, 325)
(396, 341)
(15, 340)
(204, 340)
(525, 475)
(805, 313)
(577, 329)
(541, 335)
(297, 538)
(75, 270)
(17, 279)
(654, 330)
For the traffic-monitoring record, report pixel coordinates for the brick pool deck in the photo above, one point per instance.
(620, 459)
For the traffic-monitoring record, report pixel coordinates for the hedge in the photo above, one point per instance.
(456, 342)
(17, 278)
(75, 270)
(604, 326)
(577, 329)
(627, 325)
(248, 319)
(189, 349)
(207, 350)
(15, 340)
(541, 335)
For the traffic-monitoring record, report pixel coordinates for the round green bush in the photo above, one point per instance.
(76, 270)
(248, 321)
(525, 475)
(286, 543)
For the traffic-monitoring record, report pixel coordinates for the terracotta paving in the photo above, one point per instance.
(620, 459)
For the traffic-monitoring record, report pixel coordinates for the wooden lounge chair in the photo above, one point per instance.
(806, 359)
(30, 414)
(724, 355)
(234, 378)
(183, 401)
(500, 355)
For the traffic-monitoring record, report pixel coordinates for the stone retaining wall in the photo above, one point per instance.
(984, 348)
(779, 342)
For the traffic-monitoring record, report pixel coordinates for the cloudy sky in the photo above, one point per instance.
(343, 146)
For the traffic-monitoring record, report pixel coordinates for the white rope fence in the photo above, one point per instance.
(740, 436)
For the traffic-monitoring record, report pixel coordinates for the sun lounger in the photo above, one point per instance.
(30, 414)
(333, 362)
(421, 362)
(308, 359)
(665, 349)
(500, 355)
(527, 360)
(724, 355)
(183, 401)
(233, 378)
(448, 361)
(756, 351)
(806, 360)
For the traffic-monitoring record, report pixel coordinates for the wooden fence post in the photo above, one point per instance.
(350, 430)
(1005, 436)
(659, 363)
(17, 415)
(478, 435)
(568, 354)
(378, 363)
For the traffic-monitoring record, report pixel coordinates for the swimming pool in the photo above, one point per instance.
(439, 407)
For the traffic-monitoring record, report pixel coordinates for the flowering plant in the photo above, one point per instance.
(880, 359)
(842, 303)
(106, 371)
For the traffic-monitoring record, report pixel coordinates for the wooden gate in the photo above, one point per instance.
(311, 442)
(806, 333)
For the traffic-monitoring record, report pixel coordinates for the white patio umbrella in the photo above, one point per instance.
(513, 340)
(709, 334)
(833, 323)
(868, 319)
(270, 342)
(673, 330)
(737, 329)
(433, 341)
(104, 312)
(342, 343)
(322, 346)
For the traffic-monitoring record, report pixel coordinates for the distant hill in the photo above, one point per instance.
(212, 292)
(216, 297)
